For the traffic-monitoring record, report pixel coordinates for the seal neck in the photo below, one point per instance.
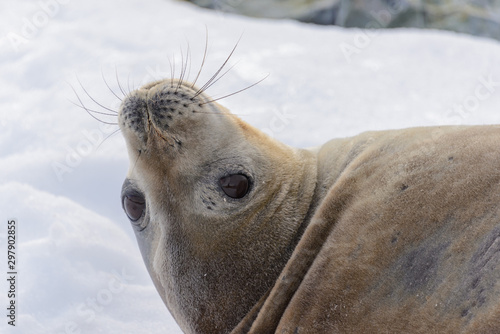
(306, 202)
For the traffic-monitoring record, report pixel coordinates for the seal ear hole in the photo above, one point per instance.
(235, 185)
(134, 206)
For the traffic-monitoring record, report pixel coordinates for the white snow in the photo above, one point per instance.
(80, 270)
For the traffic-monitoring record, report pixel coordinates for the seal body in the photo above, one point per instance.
(394, 231)
(406, 238)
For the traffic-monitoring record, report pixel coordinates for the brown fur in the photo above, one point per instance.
(385, 232)
(405, 240)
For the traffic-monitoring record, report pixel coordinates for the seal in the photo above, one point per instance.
(392, 231)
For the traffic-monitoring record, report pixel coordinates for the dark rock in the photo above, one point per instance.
(475, 17)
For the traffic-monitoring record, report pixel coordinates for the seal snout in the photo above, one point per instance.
(169, 104)
(159, 108)
(133, 116)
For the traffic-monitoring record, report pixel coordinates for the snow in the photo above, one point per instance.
(80, 270)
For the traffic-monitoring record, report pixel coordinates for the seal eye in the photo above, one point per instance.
(235, 185)
(134, 206)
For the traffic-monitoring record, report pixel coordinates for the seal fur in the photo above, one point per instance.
(392, 231)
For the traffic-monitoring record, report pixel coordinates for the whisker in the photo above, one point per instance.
(204, 58)
(220, 77)
(87, 110)
(107, 85)
(118, 81)
(92, 111)
(99, 104)
(128, 84)
(207, 84)
(184, 67)
(173, 66)
(188, 59)
(183, 71)
(219, 114)
(171, 72)
(239, 91)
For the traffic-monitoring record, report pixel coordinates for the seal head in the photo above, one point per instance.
(217, 206)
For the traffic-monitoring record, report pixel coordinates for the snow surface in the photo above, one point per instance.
(80, 270)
